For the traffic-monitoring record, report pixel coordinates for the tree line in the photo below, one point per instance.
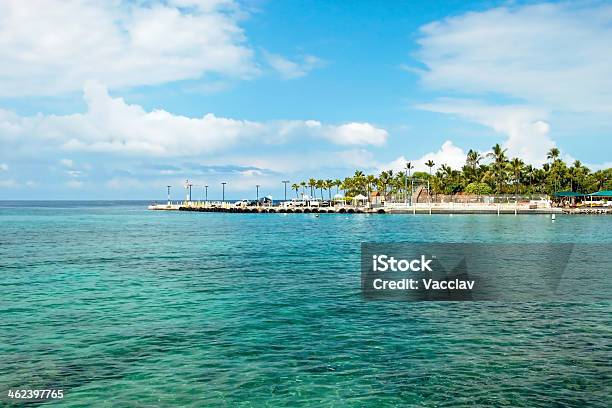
(499, 175)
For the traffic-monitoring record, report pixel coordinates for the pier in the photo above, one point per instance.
(414, 200)
(389, 208)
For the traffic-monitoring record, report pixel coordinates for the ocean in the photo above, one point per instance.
(120, 306)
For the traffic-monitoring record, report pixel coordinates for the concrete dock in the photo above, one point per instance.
(438, 208)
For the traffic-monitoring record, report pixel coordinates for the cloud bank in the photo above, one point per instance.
(548, 59)
(52, 46)
(554, 55)
(110, 125)
(448, 154)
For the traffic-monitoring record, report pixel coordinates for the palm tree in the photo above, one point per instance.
(312, 183)
(359, 181)
(473, 159)
(498, 154)
(580, 174)
(600, 178)
(346, 185)
(303, 185)
(529, 173)
(320, 184)
(447, 178)
(409, 167)
(516, 166)
(384, 179)
(370, 183)
(471, 167)
(295, 187)
(429, 163)
(498, 165)
(328, 186)
(553, 154)
(337, 183)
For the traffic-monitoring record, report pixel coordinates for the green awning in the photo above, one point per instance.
(568, 194)
(603, 193)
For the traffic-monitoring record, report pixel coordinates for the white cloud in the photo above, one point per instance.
(526, 129)
(8, 183)
(448, 154)
(289, 69)
(358, 134)
(110, 125)
(67, 163)
(4, 167)
(551, 60)
(553, 55)
(53, 46)
(597, 166)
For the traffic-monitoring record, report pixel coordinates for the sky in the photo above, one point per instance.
(118, 99)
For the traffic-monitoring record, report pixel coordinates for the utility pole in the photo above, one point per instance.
(257, 199)
(190, 185)
(285, 183)
(168, 194)
(206, 193)
(224, 183)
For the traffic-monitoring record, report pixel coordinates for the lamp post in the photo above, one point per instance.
(224, 183)
(206, 193)
(168, 194)
(285, 183)
(257, 198)
(190, 185)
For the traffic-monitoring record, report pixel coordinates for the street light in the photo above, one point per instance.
(285, 183)
(257, 198)
(224, 183)
(190, 185)
(168, 194)
(206, 193)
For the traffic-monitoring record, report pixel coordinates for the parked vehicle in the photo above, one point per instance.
(295, 202)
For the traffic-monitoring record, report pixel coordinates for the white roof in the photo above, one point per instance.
(360, 197)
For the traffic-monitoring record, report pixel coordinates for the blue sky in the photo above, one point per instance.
(118, 100)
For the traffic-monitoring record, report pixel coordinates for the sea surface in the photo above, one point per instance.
(123, 307)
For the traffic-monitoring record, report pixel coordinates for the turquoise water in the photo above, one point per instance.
(119, 306)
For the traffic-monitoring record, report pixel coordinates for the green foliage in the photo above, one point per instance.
(421, 175)
(500, 175)
(478, 188)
